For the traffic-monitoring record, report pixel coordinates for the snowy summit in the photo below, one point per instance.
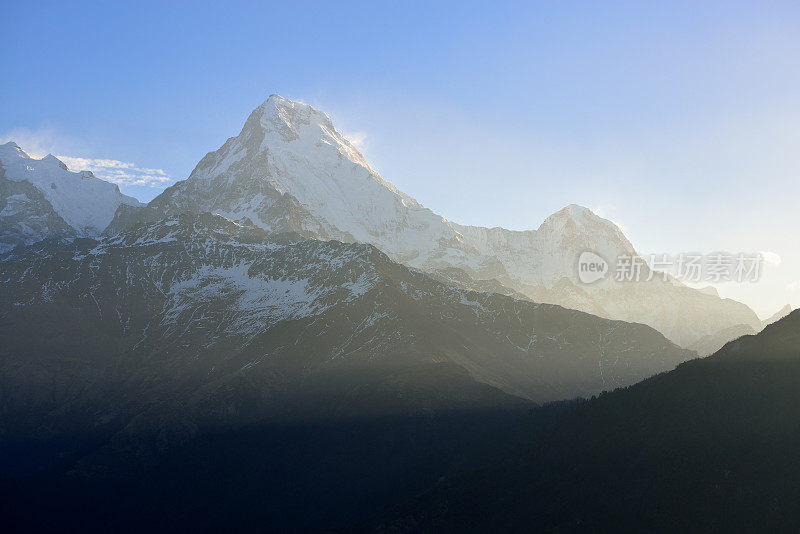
(42, 198)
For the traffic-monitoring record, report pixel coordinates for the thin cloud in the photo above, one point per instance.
(119, 172)
(357, 139)
(38, 144)
(771, 257)
(605, 211)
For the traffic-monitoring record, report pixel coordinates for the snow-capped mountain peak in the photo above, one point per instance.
(42, 198)
(306, 128)
(52, 160)
(277, 112)
(579, 220)
(290, 148)
(290, 169)
(574, 214)
(579, 229)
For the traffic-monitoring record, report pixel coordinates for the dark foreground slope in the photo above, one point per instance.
(711, 446)
(194, 372)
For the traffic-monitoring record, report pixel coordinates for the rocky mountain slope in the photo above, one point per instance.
(191, 358)
(289, 169)
(41, 198)
(216, 299)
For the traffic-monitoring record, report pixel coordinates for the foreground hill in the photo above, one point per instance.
(710, 446)
(194, 350)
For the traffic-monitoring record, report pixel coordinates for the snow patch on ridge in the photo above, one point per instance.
(257, 300)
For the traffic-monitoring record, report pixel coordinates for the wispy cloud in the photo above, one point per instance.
(39, 143)
(606, 211)
(357, 139)
(771, 257)
(119, 172)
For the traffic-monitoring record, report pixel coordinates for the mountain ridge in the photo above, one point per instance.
(42, 198)
(189, 265)
(194, 349)
(289, 169)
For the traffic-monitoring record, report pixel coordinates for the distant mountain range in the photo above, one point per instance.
(711, 343)
(41, 198)
(290, 170)
(778, 315)
(203, 301)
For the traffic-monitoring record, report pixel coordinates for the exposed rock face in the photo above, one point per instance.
(25, 215)
(290, 170)
(128, 217)
(212, 300)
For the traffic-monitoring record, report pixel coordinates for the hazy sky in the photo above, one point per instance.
(680, 121)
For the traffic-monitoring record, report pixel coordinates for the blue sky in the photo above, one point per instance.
(678, 120)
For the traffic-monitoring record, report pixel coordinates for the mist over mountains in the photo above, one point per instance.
(710, 446)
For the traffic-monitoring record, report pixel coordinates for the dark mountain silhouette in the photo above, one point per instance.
(711, 446)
